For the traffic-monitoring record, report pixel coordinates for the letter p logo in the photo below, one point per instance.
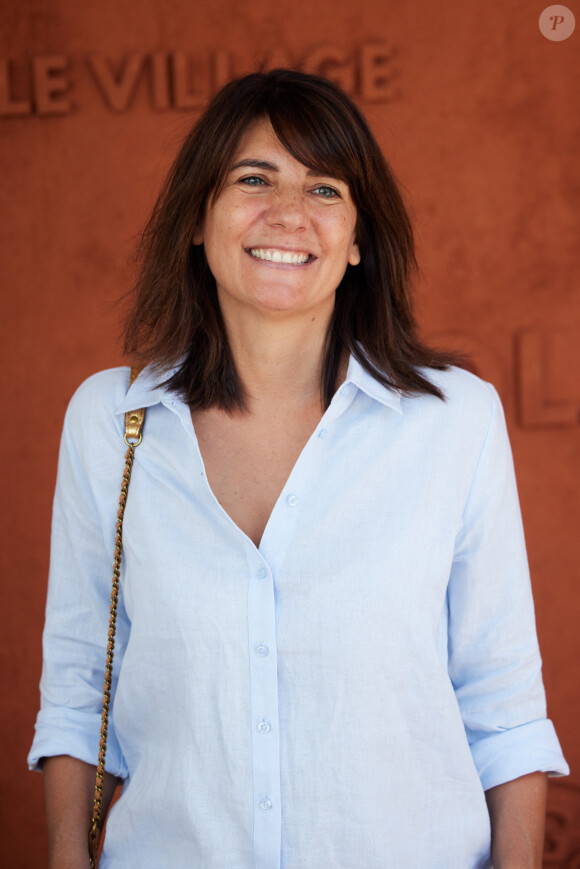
(557, 23)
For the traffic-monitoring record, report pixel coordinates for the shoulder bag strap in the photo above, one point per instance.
(134, 421)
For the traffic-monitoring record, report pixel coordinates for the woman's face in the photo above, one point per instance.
(279, 237)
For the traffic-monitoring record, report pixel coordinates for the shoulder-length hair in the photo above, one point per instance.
(175, 321)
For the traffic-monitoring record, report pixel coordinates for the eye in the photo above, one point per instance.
(252, 181)
(326, 191)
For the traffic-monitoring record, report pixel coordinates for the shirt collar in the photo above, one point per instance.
(147, 391)
(360, 377)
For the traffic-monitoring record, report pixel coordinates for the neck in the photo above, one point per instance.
(279, 363)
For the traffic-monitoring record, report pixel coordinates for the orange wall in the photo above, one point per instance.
(479, 115)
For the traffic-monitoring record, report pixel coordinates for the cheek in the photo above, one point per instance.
(345, 240)
(339, 231)
(235, 231)
(220, 241)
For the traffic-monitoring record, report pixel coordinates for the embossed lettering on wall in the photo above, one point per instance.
(538, 408)
(532, 373)
(44, 85)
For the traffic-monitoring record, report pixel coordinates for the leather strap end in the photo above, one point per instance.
(134, 420)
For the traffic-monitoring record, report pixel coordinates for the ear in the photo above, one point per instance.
(198, 235)
(354, 258)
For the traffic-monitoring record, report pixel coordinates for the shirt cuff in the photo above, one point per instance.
(509, 754)
(74, 733)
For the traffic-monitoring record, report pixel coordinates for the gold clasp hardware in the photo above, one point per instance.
(134, 420)
(133, 443)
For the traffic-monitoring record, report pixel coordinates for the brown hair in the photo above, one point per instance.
(176, 320)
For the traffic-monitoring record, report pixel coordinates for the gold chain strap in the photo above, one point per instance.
(133, 429)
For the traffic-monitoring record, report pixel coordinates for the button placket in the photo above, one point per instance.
(264, 712)
(276, 540)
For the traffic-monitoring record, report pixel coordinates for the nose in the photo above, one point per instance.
(288, 210)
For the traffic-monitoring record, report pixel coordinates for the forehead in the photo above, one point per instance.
(258, 139)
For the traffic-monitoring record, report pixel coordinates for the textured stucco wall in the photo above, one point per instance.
(479, 115)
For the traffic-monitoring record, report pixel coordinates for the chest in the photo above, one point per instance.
(249, 459)
(354, 514)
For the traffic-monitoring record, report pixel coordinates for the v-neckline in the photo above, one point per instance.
(237, 496)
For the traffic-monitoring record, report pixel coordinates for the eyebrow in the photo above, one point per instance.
(255, 164)
(251, 163)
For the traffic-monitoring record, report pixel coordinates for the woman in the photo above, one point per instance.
(325, 652)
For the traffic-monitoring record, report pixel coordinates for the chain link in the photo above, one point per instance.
(97, 815)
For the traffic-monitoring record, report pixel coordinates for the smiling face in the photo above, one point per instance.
(279, 236)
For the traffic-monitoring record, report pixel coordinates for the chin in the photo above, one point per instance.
(283, 303)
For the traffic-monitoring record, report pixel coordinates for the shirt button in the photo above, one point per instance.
(322, 433)
(261, 650)
(266, 804)
(261, 573)
(291, 500)
(344, 390)
(264, 726)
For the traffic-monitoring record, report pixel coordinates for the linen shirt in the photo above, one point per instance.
(340, 696)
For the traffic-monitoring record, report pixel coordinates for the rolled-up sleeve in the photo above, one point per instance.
(494, 660)
(77, 612)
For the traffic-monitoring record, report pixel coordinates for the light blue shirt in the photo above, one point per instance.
(339, 697)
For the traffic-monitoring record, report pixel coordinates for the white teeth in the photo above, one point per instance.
(280, 256)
